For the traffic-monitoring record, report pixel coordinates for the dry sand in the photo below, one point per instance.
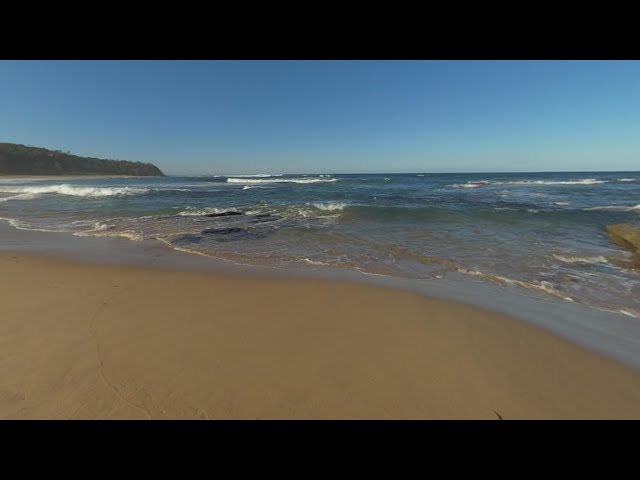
(94, 341)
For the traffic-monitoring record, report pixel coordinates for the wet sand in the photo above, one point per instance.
(82, 340)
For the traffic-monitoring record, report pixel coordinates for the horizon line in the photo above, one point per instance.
(396, 173)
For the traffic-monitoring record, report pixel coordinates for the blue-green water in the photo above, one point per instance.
(542, 232)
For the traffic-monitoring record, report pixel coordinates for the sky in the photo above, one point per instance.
(217, 117)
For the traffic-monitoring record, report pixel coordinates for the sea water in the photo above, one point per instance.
(542, 233)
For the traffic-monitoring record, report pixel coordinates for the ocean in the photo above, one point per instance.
(541, 233)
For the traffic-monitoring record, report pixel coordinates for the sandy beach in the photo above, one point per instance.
(89, 341)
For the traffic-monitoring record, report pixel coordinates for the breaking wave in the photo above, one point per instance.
(543, 285)
(481, 183)
(615, 208)
(75, 191)
(198, 212)
(130, 234)
(329, 206)
(591, 260)
(280, 180)
(22, 196)
(258, 175)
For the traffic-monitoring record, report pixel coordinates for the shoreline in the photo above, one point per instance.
(114, 341)
(611, 334)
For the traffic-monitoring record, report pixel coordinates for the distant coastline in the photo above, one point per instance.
(21, 160)
(71, 176)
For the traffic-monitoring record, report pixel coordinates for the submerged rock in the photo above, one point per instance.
(223, 231)
(265, 217)
(190, 239)
(626, 235)
(232, 234)
(224, 214)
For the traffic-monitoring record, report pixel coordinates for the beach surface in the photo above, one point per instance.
(93, 341)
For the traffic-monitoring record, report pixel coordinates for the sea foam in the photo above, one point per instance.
(198, 212)
(481, 183)
(75, 191)
(542, 285)
(256, 175)
(22, 196)
(591, 260)
(329, 206)
(280, 180)
(615, 208)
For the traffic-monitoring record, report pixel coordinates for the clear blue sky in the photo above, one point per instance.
(330, 116)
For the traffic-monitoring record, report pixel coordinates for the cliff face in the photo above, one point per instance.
(22, 160)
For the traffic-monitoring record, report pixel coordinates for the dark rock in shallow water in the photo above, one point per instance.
(265, 218)
(224, 214)
(223, 231)
(231, 234)
(191, 239)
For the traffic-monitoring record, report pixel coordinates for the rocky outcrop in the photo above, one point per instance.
(265, 217)
(224, 214)
(626, 235)
(232, 234)
(223, 231)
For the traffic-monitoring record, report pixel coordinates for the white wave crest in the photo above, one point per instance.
(280, 180)
(583, 181)
(329, 206)
(615, 208)
(542, 285)
(314, 262)
(198, 212)
(592, 260)
(626, 179)
(73, 190)
(20, 225)
(257, 175)
(130, 234)
(22, 196)
(100, 227)
(480, 183)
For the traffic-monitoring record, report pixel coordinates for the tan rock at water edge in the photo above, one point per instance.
(626, 235)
